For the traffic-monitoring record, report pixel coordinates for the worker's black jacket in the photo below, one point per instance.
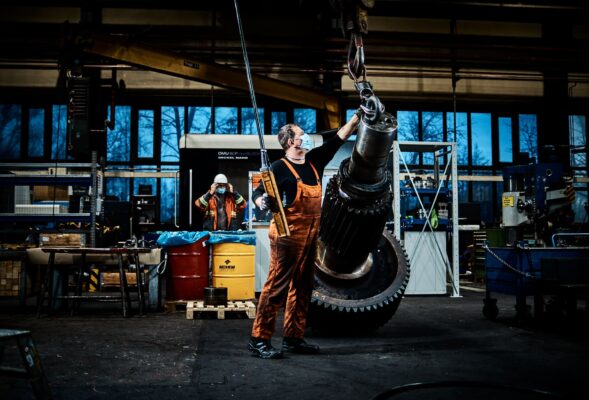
(287, 183)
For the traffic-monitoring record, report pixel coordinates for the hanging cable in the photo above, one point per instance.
(266, 173)
(263, 152)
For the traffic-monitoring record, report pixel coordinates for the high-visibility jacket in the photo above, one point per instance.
(208, 204)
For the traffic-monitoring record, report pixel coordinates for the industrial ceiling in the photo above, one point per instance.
(301, 41)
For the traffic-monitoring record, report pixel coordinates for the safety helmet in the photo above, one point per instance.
(220, 178)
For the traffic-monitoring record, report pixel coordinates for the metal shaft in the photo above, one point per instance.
(357, 202)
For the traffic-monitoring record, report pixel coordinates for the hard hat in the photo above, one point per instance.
(220, 178)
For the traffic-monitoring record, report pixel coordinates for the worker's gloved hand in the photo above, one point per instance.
(267, 203)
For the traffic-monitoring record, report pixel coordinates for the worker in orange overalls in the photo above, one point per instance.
(220, 205)
(290, 277)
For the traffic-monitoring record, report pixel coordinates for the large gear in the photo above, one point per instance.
(366, 302)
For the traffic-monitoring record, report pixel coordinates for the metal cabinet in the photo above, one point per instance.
(432, 246)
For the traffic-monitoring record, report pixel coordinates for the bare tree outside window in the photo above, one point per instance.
(248, 121)
(58, 132)
(145, 134)
(461, 133)
(433, 131)
(528, 135)
(119, 139)
(278, 121)
(36, 132)
(306, 118)
(578, 138)
(167, 188)
(200, 120)
(118, 187)
(172, 130)
(408, 131)
(10, 131)
(225, 120)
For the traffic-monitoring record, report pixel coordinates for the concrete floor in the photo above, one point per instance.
(99, 355)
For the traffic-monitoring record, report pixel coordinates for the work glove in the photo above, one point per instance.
(267, 203)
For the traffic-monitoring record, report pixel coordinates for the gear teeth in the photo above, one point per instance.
(360, 317)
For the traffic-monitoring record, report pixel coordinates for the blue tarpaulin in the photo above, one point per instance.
(245, 237)
(180, 238)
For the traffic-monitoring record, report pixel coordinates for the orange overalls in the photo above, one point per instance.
(290, 276)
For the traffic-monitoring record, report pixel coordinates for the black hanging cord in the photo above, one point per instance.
(263, 152)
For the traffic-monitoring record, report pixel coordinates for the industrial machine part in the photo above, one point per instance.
(361, 269)
(537, 198)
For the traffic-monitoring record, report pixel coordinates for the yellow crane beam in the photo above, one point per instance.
(174, 64)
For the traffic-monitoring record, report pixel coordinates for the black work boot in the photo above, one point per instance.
(298, 345)
(262, 348)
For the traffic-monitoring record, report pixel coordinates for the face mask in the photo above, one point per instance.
(306, 142)
(221, 190)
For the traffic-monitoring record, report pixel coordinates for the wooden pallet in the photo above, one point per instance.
(172, 306)
(194, 307)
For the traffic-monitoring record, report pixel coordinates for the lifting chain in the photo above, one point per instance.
(370, 104)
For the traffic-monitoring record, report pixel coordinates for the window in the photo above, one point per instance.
(167, 191)
(408, 130)
(433, 131)
(118, 140)
(505, 140)
(306, 118)
(278, 119)
(225, 120)
(172, 130)
(578, 138)
(528, 135)
(458, 135)
(248, 121)
(145, 181)
(462, 188)
(58, 132)
(481, 144)
(10, 131)
(145, 134)
(36, 132)
(118, 187)
(482, 193)
(200, 120)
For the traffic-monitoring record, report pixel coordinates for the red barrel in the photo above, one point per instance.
(188, 271)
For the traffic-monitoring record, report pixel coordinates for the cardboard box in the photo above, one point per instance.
(62, 240)
(112, 279)
(10, 278)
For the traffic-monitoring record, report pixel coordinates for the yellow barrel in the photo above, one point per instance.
(233, 268)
